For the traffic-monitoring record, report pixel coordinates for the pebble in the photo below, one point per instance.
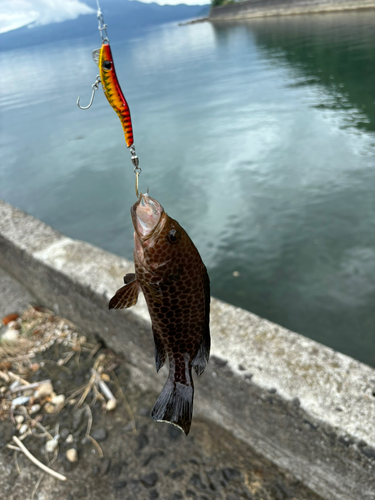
(21, 400)
(154, 494)
(149, 480)
(19, 419)
(69, 439)
(44, 390)
(230, 474)
(120, 484)
(197, 482)
(142, 441)
(23, 429)
(99, 434)
(58, 400)
(34, 409)
(369, 452)
(105, 466)
(51, 445)
(72, 455)
(49, 408)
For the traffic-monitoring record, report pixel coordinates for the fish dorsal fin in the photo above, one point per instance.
(125, 297)
(96, 55)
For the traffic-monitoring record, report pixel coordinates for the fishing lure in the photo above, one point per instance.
(112, 90)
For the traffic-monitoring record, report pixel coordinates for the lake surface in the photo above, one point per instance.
(258, 137)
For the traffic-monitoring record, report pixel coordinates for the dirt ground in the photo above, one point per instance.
(123, 453)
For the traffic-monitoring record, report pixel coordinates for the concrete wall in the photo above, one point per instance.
(307, 408)
(263, 8)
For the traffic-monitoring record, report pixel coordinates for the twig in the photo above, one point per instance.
(17, 377)
(36, 461)
(95, 350)
(15, 459)
(21, 388)
(128, 408)
(101, 454)
(37, 484)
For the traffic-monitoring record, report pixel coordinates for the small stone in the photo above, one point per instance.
(154, 495)
(19, 419)
(272, 390)
(99, 434)
(49, 408)
(219, 361)
(149, 480)
(236, 274)
(120, 484)
(197, 482)
(142, 441)
(176, 474)
(24, 428)
(21, 400)
(369, 452)
(230, 474)
(34, 409)
(58, 400)
(105, 466)
(72, 455)
(69, 439)
(44, 390)
(51, 445)
(11, 336)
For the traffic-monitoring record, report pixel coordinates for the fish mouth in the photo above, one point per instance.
(146, 215)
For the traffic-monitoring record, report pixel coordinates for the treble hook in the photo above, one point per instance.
(95, 87)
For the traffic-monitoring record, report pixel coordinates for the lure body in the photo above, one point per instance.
(112, 90)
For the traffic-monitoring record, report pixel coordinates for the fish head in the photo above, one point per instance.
(157, 236)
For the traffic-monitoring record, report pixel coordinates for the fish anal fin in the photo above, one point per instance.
(160, 352)
(125, 297)
(128, 278)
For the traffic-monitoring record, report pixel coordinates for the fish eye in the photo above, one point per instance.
(107, 65)
(174, 236)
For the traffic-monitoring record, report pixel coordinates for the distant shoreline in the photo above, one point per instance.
(267, 8)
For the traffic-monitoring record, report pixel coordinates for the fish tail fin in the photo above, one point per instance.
(175, 403)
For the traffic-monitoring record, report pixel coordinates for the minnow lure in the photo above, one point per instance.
(112, 90)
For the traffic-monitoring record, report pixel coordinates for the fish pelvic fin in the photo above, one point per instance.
(126, 296)
(175, 403)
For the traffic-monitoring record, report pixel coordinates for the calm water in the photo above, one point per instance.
(259, 138)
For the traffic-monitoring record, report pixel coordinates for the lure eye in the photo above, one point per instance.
(107, 65)
(174, 236)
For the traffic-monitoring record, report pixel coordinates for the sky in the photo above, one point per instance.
(17, 13)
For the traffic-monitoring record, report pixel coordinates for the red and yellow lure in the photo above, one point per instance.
(112, 90)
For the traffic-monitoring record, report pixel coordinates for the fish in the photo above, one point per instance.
(175, 283)
(112, 90)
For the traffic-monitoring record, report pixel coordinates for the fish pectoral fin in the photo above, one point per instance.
(128, 278)
(126, 296)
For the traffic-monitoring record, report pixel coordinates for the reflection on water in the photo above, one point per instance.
(258, 137)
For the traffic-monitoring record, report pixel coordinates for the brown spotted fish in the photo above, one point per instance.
(170, 273)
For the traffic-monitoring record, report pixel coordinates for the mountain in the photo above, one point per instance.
(120, 15)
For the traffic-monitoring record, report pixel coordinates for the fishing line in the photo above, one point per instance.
(112, 91)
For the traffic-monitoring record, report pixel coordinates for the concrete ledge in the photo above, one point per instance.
(304, 406)
(266, 8)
